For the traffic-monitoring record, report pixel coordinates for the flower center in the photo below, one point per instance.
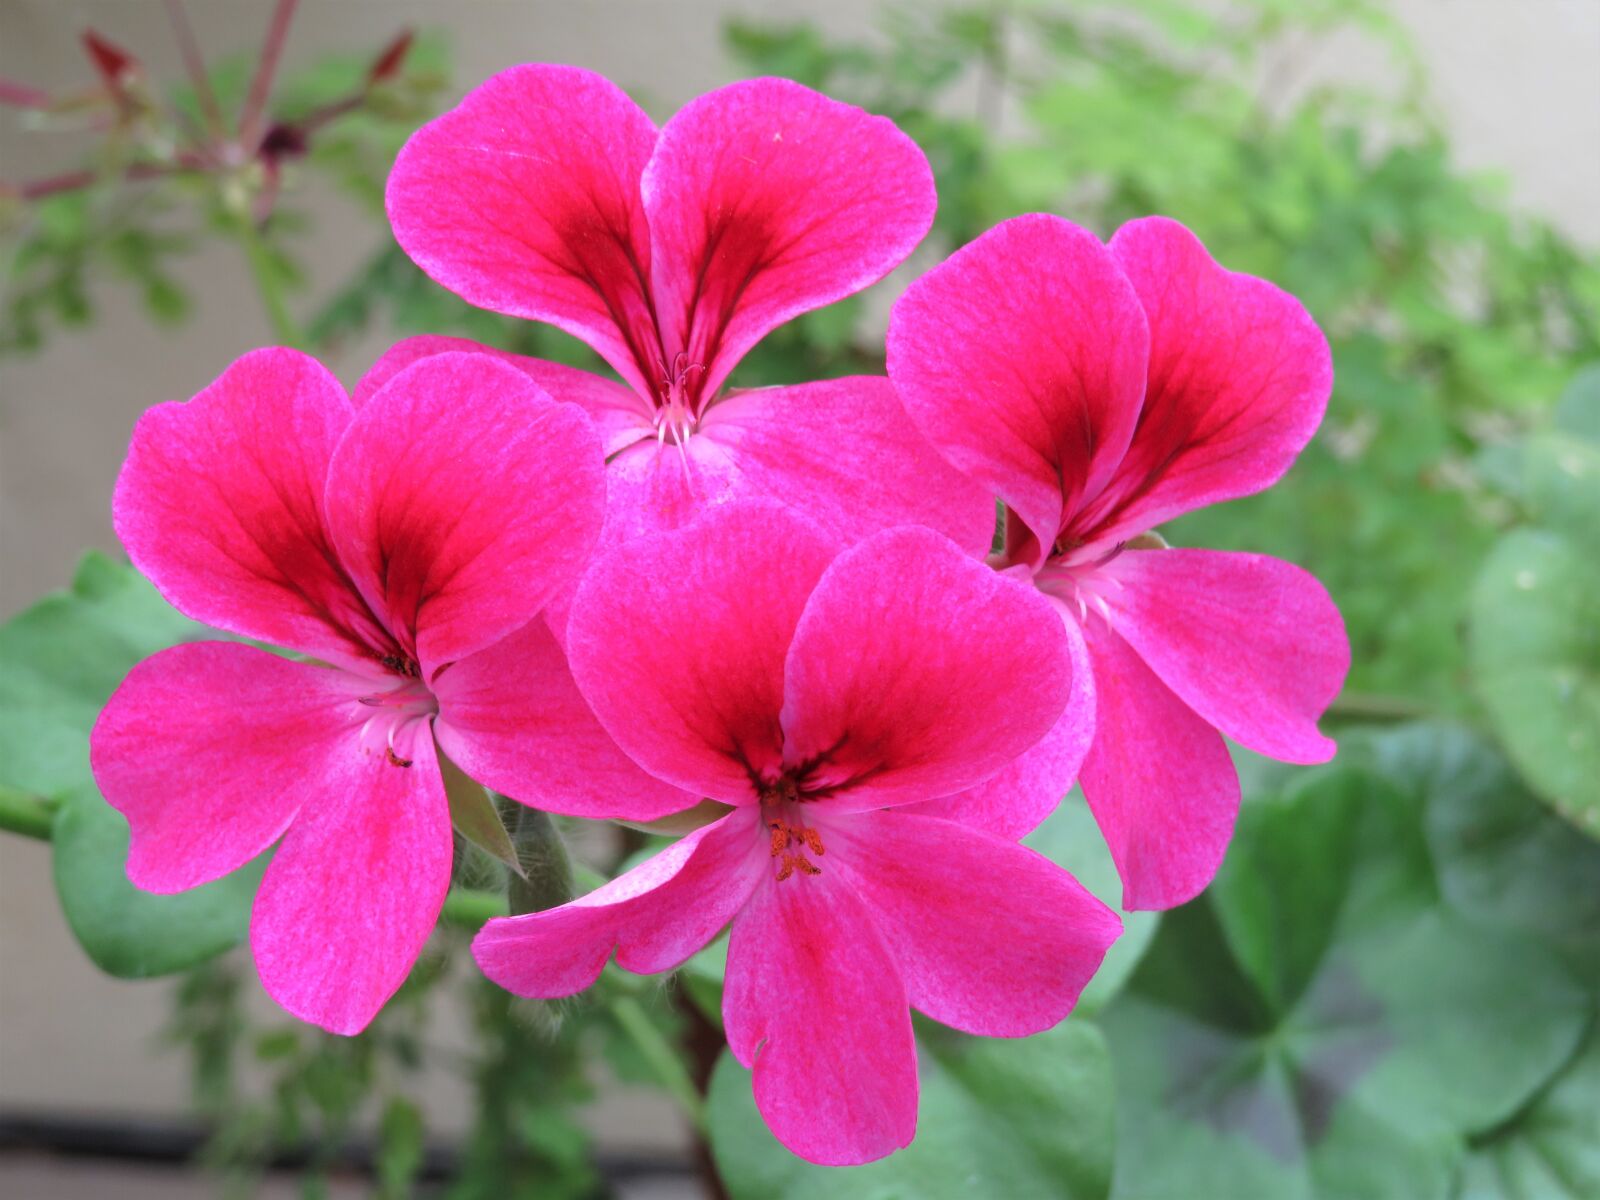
(677, 411)
(398, 715)
(1078, 579)
(790, 838)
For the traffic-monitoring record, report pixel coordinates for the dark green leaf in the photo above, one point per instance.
(1551, 1150)
(1324, 1022)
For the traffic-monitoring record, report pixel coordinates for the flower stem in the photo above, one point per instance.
(663, 1060)
(28, 815)
(269, 286)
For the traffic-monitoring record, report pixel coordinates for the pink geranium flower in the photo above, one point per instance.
(407, 543)
(1101, 390)
(828, 698)
(549, 194)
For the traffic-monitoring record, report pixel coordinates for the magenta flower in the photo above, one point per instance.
(1101, 390)
(829, 698)
(549, 194)
(408, 543)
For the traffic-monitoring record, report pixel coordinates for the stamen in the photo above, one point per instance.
(787, 834)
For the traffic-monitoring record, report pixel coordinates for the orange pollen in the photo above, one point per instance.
(785, 835)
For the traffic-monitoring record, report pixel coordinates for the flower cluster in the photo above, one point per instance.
(776, 607)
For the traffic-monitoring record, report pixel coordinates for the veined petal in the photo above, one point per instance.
(462, 500)
(917, 672)
(991, 937)
(765, 200)
(1013, 801)
(1158, 780)
(511, 717)
(524, 199)
(815, 1004)
(1022, 358)
(678, 641)
(621, 416)
(209, 749)
(1251, 643)
(845, 451)
(354, 890)
(655, 486)
(220, 503)
(1239, 379)
(653, 918)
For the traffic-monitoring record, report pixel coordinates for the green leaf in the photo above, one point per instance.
(1501, 856)
(998, 1117)
(59, 662)
(1324, 1022)
(1534, 645)
(399, 1157)
(1551, 1151)
(1578, 411)
(474, 816)
(127, 932)
(1070, 838)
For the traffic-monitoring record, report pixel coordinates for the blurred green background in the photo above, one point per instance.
(1390, 991)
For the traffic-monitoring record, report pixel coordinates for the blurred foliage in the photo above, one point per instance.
(1453, 323)
(1388, 990)
(1534, 636)
(139, 210)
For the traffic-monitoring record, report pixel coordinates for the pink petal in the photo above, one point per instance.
(1239, 379)
(620, 415)
(220, 503)
(991, 938)
(917, 672)
(511, 717)
(654, 487)
(1251, 643)
(844, 451)
(462, 499)
(524, 199)
(766, 200)
(209, 749)
(1022, 358)
(678, 641)
(815, 1004)
(653, 918)
(1158, 780)
(354, 890)
(1013, 801)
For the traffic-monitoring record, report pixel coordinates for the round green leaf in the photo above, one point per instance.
(59, 662)
(1534, 642)
(1552, 1150)
(1501, 856)
(128, 932)
(1578, 411)
(1013, 1118)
